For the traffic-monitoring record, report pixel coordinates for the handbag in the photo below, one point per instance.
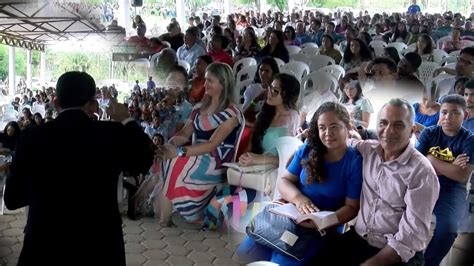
(281, 234)
(259, 177)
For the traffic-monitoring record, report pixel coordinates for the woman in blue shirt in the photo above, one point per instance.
(324, 174)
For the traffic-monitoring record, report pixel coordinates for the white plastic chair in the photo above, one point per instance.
(279, 62)
(185, 64)
(448, 60)
(301, 58)
(377, 38)
(299, 68)
(439, 55)
(38, 108)
(9, 115)
(451, 65)
(260, 32)
(336, 71)
(309, 44)
(425, 71)
(239, 136)
(285, 146)
(400, 46)
(379, 51)
(441, 40)
(377, 43)
(316, 81)
(293, 49)
(410, 48)
(239, 86)
(456, 53)
(243, 63)
(154, 59)
(310, 51)
(320, 61)
(246, 73)
(167, 44)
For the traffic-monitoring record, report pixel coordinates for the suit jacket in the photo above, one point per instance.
(67, 171)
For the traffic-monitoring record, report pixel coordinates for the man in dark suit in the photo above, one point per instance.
(67, 171)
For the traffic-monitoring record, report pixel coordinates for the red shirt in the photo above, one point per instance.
(197, 90)
(140, 42)
(221, 56)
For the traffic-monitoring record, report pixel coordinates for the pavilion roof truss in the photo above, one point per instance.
(32, 24)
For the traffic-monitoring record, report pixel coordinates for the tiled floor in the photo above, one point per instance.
(146, 243)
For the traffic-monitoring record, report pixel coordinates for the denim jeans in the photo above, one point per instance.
(448, 211)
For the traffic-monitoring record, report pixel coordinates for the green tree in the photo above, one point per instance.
(3, 61)
(282, 5)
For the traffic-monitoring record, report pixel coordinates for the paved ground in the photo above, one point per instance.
(146, 243)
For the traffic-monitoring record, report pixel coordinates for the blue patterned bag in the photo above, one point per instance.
(280, 233)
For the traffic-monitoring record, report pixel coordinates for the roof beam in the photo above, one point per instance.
(17, 42)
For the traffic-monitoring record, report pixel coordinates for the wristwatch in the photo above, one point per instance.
(181, 150)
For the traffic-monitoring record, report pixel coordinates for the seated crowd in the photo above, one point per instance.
(384, 149)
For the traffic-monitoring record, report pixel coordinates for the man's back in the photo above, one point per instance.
(71, 167)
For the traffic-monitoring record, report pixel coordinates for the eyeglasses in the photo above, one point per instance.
(275, 91)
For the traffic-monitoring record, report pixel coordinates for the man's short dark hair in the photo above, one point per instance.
(75, 89)
(193, 31)
(469, 84)
(206, 58)
(468, 50)
(386, 61)
(455, 99)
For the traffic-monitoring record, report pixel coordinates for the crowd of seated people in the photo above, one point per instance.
(390, 186)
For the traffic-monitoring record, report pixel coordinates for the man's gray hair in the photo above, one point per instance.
(398, 102)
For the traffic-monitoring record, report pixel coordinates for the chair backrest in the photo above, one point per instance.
(425, 71)
(377, 38)
(243, 63)
(293, 49)
(315, 81)
(246, 73)
(38, 108)
(451, 65)
(398, 45)
(260, 32)
(167, 44)
(310, 51)
(379, 51)
(439, 55)
(239, 135)
(185, 64)
(441, 40)
(410, 48)
(456, 53)
(448, 60)
(301, 58)
(299, 68)
(377, 43)
(309, 44)
(320, 61)
(154, 58)
(286, 147)
(9, 115)
(336, 71)
(280, 62)
(239, 86)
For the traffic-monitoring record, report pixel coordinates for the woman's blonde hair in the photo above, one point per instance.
(224, 74)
